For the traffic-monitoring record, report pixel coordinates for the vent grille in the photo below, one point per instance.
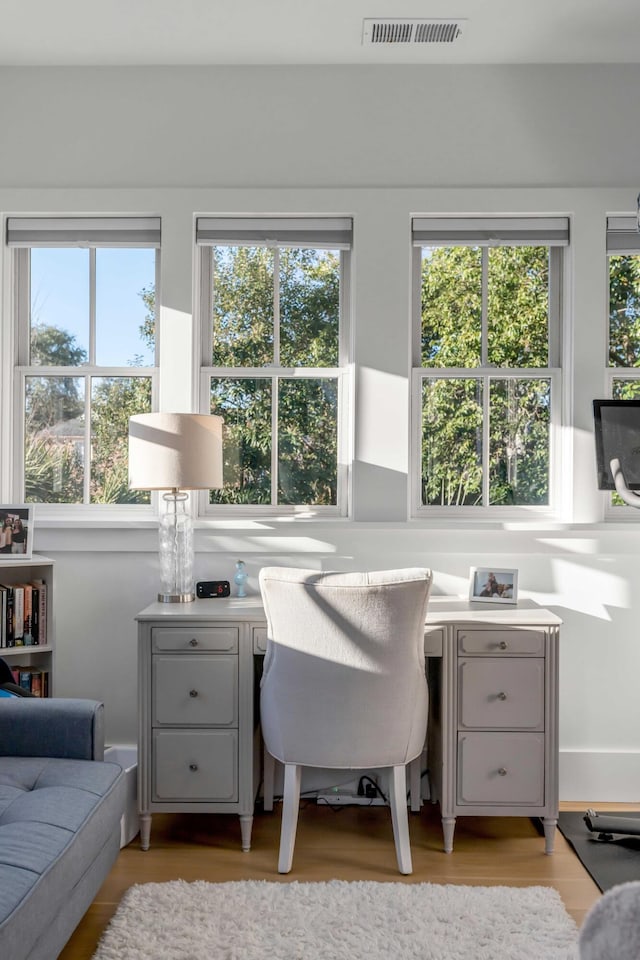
(411, 31)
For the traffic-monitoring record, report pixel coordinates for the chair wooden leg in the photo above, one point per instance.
(400, 818)
(290, 805)
(268, 776)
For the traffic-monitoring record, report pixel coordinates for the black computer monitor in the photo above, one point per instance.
(617, 431)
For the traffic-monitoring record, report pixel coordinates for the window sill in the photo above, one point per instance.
(339, 536)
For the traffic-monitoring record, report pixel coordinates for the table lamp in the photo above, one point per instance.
(175, 452)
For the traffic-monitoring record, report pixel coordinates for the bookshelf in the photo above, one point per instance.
(38, 656)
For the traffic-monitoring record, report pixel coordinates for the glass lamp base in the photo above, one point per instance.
(176, 551)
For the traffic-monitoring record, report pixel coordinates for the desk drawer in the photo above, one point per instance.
(195, 690)
(501, 768)
(195, 765)
(495, 693)
(496, 642)
(193, 639)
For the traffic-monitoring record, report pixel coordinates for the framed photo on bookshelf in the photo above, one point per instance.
(16, 531)
(493, 586)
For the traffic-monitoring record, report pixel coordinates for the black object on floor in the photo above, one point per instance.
(608, 861)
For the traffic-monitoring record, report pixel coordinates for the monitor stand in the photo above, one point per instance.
(606, 827)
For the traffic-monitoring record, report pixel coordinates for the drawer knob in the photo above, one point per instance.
(193, 693)
(193, 642)
(503, 644)
(193, 766)
(502, 772)
(502, 695)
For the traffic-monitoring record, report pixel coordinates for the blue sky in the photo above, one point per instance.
(60, 298)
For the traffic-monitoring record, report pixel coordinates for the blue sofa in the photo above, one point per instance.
(60, 811)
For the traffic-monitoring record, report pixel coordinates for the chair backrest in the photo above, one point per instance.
(344, 677)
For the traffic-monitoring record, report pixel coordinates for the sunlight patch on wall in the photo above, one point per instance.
(587, 546)
(382, 435)
(591, 592)
(270, 545)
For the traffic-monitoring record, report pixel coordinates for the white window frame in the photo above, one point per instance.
(278, 233)
(486, 232)
(24, 234)
(623, 237)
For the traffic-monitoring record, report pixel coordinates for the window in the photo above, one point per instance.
(487, 294)
(85, 346)
(275, 359)
(623, 348)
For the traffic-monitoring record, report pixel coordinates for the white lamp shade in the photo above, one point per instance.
(175, 451)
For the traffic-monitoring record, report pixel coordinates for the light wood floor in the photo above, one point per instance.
(349, 844)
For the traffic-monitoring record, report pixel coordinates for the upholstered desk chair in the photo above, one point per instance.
(344, 681)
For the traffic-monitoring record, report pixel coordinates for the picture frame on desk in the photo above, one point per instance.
(493, 585)
(16, 531)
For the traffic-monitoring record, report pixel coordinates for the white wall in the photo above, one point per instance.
(381, 144)
(320, 126)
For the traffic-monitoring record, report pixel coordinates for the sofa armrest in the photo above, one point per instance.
(68, 728)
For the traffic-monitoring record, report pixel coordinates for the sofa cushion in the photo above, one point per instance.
(44, 802)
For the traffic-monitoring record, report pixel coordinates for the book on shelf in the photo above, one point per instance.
(39, 600)
(23, 614)
(23, 626)
(18, 615)
(3, 615)
(8, 621)
(27, 615)
(35, 614)
(32, 679)
(37, 683)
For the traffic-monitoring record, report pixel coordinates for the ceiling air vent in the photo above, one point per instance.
(410, 31)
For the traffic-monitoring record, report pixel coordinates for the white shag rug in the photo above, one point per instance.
(338, 920)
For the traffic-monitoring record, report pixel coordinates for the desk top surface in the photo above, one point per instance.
(441, 610)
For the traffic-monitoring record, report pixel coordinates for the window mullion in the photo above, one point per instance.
(486, 439)
(555, 306)
(484, 320)
(92, 306)
(157, 344)
(19, 434)
(23, 306)
(207, 280)
(86, 495)
(344, 349)
(416, 306)
(275, 383)
(276, 307)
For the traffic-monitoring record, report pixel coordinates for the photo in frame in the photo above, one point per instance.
(492, 585)
(16, 531)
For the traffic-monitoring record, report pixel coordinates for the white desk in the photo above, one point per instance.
(493, 726)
